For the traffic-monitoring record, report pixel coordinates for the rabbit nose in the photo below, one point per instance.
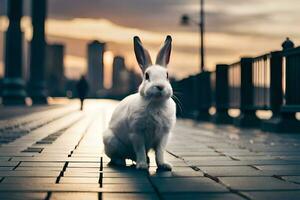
(159, 88)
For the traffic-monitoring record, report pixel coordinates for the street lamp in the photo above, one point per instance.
(186, 20)
(202, 81)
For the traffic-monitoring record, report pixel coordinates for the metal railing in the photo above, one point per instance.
(267, 82)
(291, 88)
(261, 70)
(234, 81)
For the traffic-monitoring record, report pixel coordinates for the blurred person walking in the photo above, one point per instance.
(82, 90)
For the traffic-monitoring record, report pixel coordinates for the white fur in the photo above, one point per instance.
(142, 121)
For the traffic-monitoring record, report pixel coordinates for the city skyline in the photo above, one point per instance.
(234, 28)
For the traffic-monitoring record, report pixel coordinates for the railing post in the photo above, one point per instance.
(185, 97)
(247, 117)
(276, 94)
(204, 96)
(221, 95)
(188, 97)
(288, 122)
(192, 96)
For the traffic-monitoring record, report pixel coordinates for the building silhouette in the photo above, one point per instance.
(54, 75)
(95, 73)
(120, 76)
(135, 80)
(118, 68)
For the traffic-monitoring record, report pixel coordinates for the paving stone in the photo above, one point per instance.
(221, 151)
(82, 174)
(128, 174)
(216, 163)
(206, 196)
(272, 162)
(28, 180)
(74, 196)
(278, 167)
(187, 184)
(5, 158)
(29, 173)
(6, 168)
(81, 169)
(288, 157)
(118, 169)
(258, 183)
(129, 187)
(176, 169)
(23, 195)
(33, 149)
(84, 165)
(173, 163)
(284, 153)
(8, 163)
(81, 180)
(244, 153)
(134, 180)
(42, 164)
(177, 174)
(196, 154)
(263, 157)
(129, 196)
(274, 195)
(294, 179)
(45, 187)
(228, 171)
(207, 158)
(38, 168)
(282, 172)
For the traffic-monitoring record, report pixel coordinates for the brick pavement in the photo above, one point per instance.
(58, 154)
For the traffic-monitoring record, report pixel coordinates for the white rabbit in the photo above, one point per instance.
(143, 121)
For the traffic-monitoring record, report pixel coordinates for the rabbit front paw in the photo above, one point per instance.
(164, 167)
(142, 166)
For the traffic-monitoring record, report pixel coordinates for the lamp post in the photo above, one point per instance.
(202, 82)
(187, 20)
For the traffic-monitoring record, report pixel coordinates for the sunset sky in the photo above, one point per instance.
(234, 28)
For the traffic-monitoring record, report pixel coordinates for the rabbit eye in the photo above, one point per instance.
(167, 75)
(147, 76)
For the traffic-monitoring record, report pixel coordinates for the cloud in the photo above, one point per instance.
(234, 27)
(164, 15)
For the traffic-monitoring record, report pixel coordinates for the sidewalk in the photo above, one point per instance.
(58, 154)
(7, 112)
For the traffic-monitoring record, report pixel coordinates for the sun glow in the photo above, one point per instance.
(74, 66)
(108, 61)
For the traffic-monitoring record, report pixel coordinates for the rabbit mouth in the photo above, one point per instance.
(158, 96)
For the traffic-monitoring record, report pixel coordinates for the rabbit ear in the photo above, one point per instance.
(141, 54)
(163, 56)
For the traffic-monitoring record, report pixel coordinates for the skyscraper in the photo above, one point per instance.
(120, 76)
(135, 80)
(118, 67)
(95, 67)
(54, 69)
